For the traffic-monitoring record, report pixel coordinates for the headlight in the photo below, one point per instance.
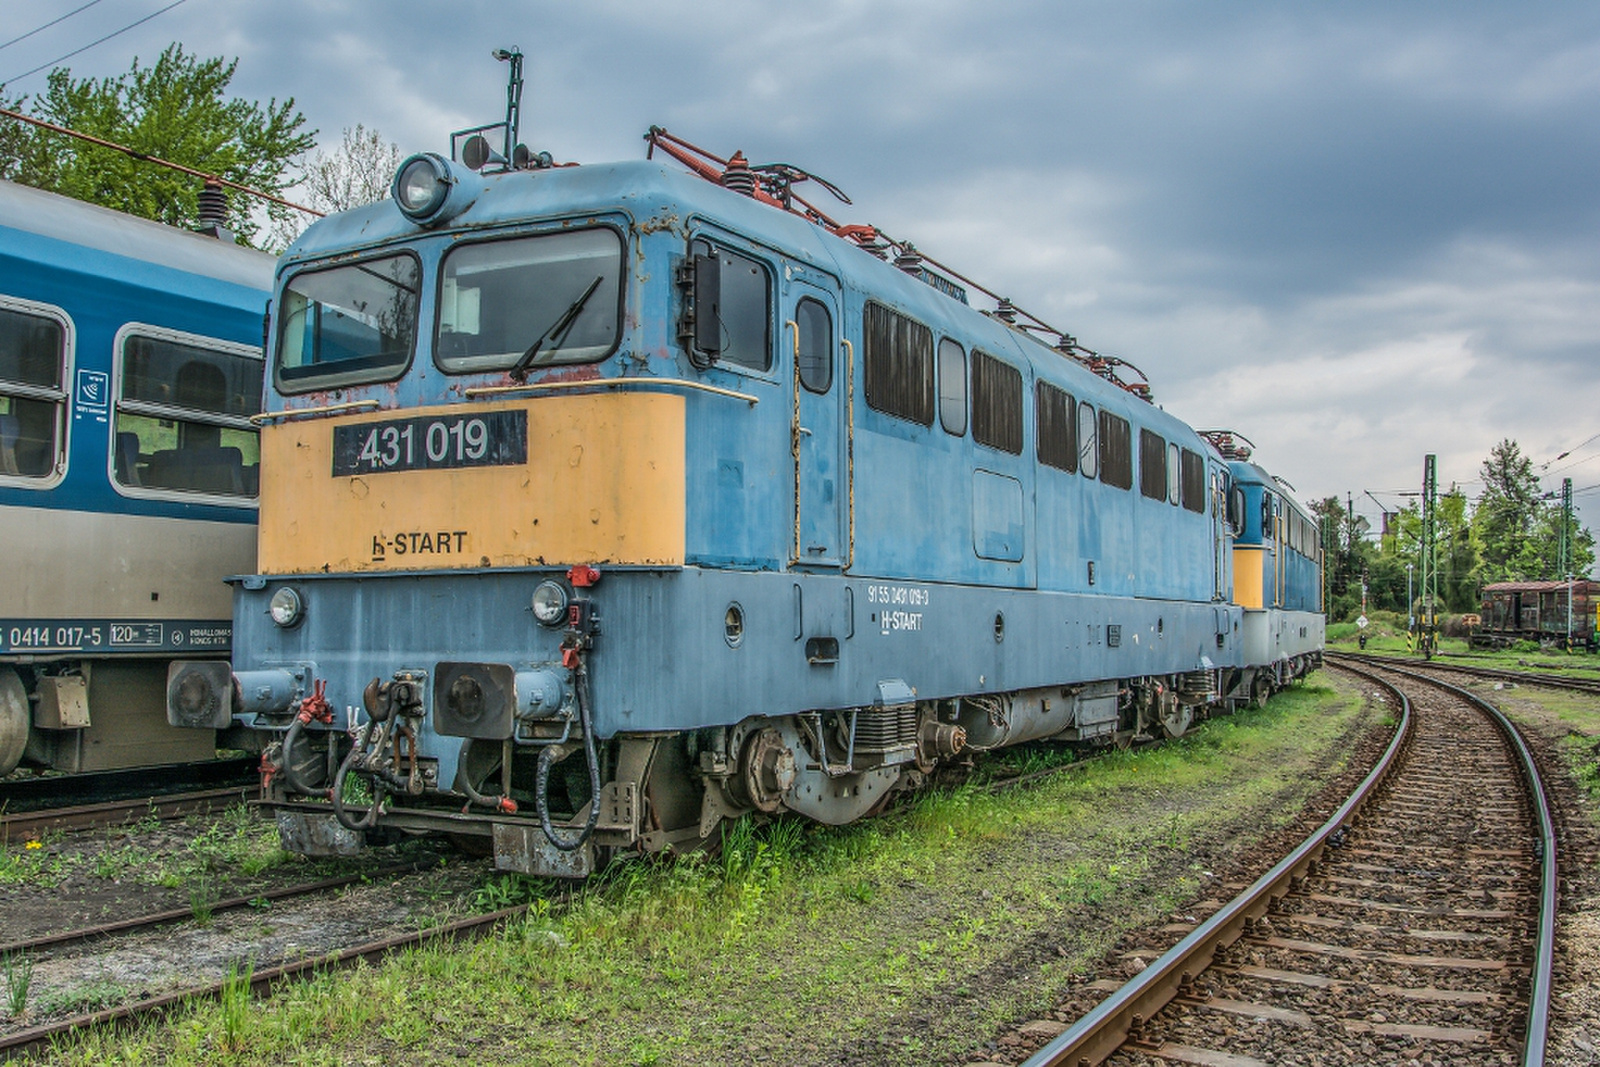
(550, 603)
(421, 186)
(285, 607)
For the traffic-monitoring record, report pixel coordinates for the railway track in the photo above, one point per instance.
(33, 806)
(23, 1040)
(1418, 920)
(1554, 681)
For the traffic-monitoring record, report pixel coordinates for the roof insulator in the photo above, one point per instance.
(909, 259)
(212, 209)
(1066, 343)
(738, 176)
(1007, 311)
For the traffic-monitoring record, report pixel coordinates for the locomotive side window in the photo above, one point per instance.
(1088, 441)
(1174, 469)
(33, 397)
(996, 403)
(816, 345)
(1267, 532)
(1152, 465)
(348, 324)
(897, 364)
(1193, 476)
(1116, 451)
(183, 414)
(528, 301)
(952, 387)
(743, 307)
(1056, 425)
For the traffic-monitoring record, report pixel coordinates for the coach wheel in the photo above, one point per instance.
(13, 721)
(1260, 689)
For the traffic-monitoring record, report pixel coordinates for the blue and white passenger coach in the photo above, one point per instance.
(602, 503)
(130, 364)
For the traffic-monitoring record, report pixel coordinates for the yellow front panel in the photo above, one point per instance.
(604, 483)
(1248, 561)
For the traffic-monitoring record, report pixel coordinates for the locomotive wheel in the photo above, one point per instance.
(1176, 722)
(1260, 689)
(13, 721)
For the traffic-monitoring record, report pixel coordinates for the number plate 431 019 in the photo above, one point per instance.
(485, 439)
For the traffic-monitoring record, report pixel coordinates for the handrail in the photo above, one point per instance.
(476, 391)
(308, 413)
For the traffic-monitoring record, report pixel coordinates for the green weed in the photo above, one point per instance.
(18, 971)
(234, 1006)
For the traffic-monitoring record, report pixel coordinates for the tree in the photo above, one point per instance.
(357, 173)
(1506, 513)
(175, 109)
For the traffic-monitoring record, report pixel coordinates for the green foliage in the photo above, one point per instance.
(235, 1006)
(176, 109)
(17, 969)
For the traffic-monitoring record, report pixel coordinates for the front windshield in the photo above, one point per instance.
(348, 324)
(528, 301)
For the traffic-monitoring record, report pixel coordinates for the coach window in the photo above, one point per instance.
(996, 403)
(347, 325)
(1055, 420)
(897, 364)
(1152, 465)
(744, 308)
(33, 397)
(1193, 475)
(530, 301)
(183, 414)
(1116, 451)
(816, 345)
(1088, 441)
(952, 387)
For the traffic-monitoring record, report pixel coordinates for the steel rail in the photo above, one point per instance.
(29, 825)
(1549, 888)
(38, 1037)
(1105, 1029)
(138, 922)
(1553, 681)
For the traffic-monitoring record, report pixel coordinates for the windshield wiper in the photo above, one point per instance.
(557, 331)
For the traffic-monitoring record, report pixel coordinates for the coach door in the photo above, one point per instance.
(1221, 543)
(818, 434)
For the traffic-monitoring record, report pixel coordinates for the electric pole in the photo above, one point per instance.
(1430, 557)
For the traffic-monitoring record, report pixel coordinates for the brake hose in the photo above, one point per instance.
(547, 757)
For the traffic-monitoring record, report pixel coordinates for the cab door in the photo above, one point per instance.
(819, 434)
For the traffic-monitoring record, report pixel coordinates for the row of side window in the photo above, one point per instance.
(898, 367)
(1297, 532)
(181, 406)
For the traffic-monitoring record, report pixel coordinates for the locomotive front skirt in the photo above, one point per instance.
(600, 504)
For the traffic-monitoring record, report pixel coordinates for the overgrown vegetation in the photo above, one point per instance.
(893, 940)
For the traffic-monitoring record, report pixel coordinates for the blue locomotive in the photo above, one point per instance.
(130, 365)
(603, 503)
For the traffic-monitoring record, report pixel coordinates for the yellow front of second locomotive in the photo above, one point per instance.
(591, 478)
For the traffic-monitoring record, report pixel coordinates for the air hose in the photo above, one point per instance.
(547, 757)
(340, 812)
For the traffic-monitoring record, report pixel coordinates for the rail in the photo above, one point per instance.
(1106, 1028)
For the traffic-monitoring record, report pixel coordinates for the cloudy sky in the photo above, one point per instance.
(1355, 232)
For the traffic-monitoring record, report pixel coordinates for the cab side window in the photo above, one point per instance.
(743, 311)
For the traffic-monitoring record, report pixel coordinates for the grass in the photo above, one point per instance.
(901, 939)
(235, 843)
(17, 970)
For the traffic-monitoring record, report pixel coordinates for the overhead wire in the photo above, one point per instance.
(91, 44)
(52, 22)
